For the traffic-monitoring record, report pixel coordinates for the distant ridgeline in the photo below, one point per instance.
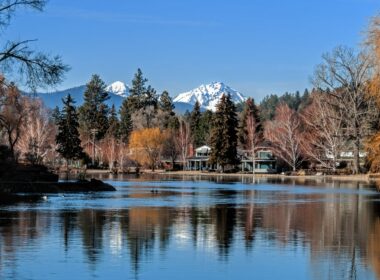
(207, 95)
(53, 99)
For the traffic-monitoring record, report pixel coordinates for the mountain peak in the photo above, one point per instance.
(118, 88)
(208, 95)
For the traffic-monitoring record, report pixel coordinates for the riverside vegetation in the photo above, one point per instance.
(312, 131)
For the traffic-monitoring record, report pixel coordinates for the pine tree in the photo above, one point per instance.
(137, 92)
(224, 134)
(55, 114)
(205, 126)
(150, 98)
(67, 139)
(268, 107)
(114, 124)
(126, 124)
(166, 106)
(195, 118)
(166, 102)
(93, 114)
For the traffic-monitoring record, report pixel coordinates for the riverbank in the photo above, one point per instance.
(360, 177)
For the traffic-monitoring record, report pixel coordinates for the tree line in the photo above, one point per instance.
(335, 122)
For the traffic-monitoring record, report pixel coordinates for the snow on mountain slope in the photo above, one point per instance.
(118, 91)
(209, 95)
(118, 88)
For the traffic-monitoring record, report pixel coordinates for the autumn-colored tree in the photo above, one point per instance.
(373, 42)
(146, 146)
(324, 132)
(373, 152)
(284, 134)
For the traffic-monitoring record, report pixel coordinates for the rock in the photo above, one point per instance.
(84, 186)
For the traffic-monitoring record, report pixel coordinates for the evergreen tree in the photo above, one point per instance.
(268, 107)
(205, 126)
(114, 124)
(93, 114)
(195, 118)
(305, 100)
(150, 98)
(166, 106)
(137, 92)
(166, 102)
(55, 114)
(224, 134)
(126, 124)
(67, 139)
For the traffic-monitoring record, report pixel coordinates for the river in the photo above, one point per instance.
(197, 228)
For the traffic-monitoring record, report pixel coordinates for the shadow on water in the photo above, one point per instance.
(242, 223)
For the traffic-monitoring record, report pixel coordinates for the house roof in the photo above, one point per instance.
(203, 149)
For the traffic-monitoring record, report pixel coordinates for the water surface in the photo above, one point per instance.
(197, 228)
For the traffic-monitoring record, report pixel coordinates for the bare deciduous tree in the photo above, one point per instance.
(344, 76)
(38, 132)
(110, 149)
(283, 132)
(183, 140)
(323, 137)
(254, 130)
(170, 148)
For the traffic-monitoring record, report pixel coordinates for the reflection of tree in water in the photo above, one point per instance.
(224, 219)
(339, 231)
(373, 245)
(68, 225)
(144, 226)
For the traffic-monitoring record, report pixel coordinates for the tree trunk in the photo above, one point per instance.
(357, 156)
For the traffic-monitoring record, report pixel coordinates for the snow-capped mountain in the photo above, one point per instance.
(118, 88)
(118, 91)
(208, 96)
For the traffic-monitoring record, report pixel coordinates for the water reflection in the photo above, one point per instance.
(319, 235)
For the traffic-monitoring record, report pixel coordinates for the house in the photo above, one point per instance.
(200, 160)
(264, 160)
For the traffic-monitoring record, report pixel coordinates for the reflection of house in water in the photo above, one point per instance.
(264, 160)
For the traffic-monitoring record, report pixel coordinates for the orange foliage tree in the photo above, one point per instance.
(146, 146)
(373, 42)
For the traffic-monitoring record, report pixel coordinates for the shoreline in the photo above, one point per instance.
(360, 177)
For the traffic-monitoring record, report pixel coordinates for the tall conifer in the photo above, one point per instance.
(126, 124)
(67, 139)
(195, 128)
(224, 134)
(93, 114)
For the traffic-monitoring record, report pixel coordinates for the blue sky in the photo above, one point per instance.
(258, 47)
